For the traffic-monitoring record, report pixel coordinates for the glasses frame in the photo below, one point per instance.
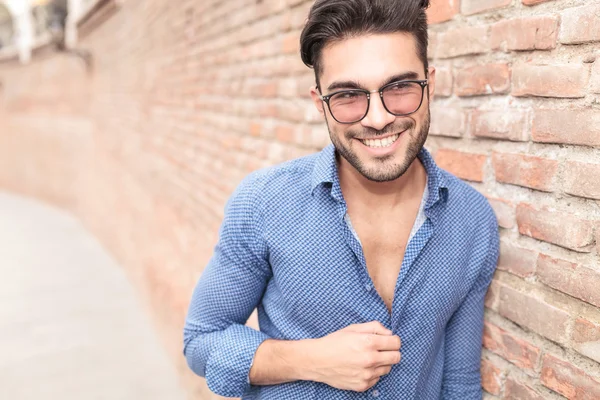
(423, 83)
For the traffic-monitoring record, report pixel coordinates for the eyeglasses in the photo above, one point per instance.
(399, 98)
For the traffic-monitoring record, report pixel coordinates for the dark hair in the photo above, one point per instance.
(332, 20)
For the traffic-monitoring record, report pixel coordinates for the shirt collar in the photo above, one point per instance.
(325, 171)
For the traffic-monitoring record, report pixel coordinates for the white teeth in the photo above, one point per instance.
(387, 142)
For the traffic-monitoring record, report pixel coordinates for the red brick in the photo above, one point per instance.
(513, 349)
(582, 179)
(568, 380)
(288, 87)
(287, 64)
(447, 119)
(533, 313)
(528, 171)
(580, 24)
(264, 89)
(285, 133)
(576, 280)
(262, 28)
(462, 41)
(268, 110)
(254, 146)
(432, 45)
(464, 165)
(276, 152)
(568, 81)
(304, 83)
(579, 127)
(562, 229)
(492, 295)
(506, 124)
(519, 391)
(491, 377)
(267, 7)
(586, 338)
(517, 260)
(483, 79)
(285, 22)
(317, 136)
(296, 111)
(255, 129)
(443, 82)
(442, 10)
(595, 79)
(291, 43)
(505, 212)
(299, 15)
(598, 238)
(534, 2)
(534, 33)
(470, 7)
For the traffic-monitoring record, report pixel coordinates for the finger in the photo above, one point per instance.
(372, 382)
(383, 343)
(383, 370)
(387, 358)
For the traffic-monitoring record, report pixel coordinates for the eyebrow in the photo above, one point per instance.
(357, 85)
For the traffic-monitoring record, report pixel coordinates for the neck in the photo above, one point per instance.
(387, 195)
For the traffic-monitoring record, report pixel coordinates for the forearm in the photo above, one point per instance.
(281, 361)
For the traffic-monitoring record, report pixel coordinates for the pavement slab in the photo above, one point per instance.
(71, 326)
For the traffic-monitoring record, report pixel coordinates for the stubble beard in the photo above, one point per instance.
(386, 168)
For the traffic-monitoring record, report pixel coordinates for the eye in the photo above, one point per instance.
(348, 95)
(399, 86)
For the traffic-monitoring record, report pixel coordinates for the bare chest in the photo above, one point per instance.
(384, 243)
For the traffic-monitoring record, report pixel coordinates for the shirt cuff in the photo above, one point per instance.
(228, 367)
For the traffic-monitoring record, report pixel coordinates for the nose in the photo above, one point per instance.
(377, 117)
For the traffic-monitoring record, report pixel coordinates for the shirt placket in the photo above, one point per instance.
(378, 306)
(413, 249)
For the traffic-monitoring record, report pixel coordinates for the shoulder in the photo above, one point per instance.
(475, 222)
(275, 180)
(472, 221)
(472, 207)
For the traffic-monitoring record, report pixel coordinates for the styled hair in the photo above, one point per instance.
(335, 20)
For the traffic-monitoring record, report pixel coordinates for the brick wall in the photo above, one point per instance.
(518, 115)
(183, 101)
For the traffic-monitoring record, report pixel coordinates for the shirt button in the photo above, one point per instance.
(375, 393)
(368, 287)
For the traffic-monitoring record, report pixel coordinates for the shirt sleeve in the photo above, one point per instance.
(463, 340)
(217, 343)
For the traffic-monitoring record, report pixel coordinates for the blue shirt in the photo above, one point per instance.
(284, 247)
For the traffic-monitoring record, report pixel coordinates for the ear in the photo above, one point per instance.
(431, 82)
(315, 97)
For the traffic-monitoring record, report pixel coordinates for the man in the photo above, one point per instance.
(368, 264)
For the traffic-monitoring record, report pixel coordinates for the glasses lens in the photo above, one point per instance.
(403, 97)
(348, 106)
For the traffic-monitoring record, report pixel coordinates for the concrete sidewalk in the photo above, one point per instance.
(70, 325)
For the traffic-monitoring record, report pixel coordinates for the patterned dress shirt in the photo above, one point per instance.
(286, 247)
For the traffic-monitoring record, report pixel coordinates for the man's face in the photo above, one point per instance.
(369, 62)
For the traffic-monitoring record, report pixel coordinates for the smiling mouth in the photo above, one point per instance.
(377, 143)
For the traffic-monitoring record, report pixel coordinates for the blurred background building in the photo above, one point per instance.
(142, 118)
(6, 27)
(25, 25)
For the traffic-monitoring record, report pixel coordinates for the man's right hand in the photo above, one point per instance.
(355, 357)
